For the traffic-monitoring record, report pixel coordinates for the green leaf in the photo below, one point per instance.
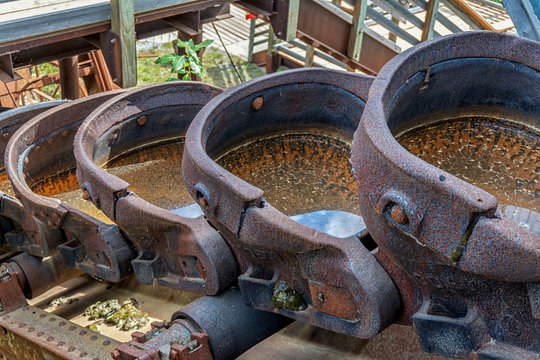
(186, 77)
(178, 63)
(193, 58)
(202, 45)
(172, 79)
(196, 69)
(165, 59)
(190, 44)
(181, 44)
(182, 71)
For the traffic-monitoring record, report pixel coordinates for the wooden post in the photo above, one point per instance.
(123, 24)
(292, 20)
(251, 40)
(310, 55)
(393, 37)
(429, 22)
(272, 57)
(69, 77)
(357, 29)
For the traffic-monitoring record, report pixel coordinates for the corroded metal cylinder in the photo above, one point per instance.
(175, 247)
(278, 146)
(448, 144)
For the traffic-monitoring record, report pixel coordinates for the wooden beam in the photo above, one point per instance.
(357, 29)
(69, 77)
(292, 20)
(472, 14)
(429, 22)
(310, 56)
(123, 24)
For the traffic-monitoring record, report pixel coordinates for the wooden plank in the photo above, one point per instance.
(479, 20)
(292, 20)
(310, 56)
(429, 22)
(79, 13)
(357, 29)
(391, 26)
(123, 24)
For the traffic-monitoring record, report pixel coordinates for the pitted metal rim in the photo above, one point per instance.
(406, 64)
(98, 123)
(196, 140)
(21, 143)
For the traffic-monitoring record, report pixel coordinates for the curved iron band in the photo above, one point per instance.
(13, 218)
(346, 289)
(443, 214)
(179, 252)
(41, 148)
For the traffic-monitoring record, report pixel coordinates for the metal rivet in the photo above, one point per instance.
(50, 338)
(86, 195)
(142, 120)
(106, 342)
(65, 133)
(51, 223)
(83, 332)
(26, 160)
(71, 348)
(257, 103)
(399, 215)
(5, 135)
(321, 297)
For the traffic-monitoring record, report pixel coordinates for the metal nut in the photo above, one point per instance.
(257, 103)
(399, 215)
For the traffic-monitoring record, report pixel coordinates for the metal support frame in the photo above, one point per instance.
(526, 17)
(69, 77)
(357, 29)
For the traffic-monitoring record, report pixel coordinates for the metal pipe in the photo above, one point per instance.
(231, 325)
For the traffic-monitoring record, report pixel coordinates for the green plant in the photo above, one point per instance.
(187, 64)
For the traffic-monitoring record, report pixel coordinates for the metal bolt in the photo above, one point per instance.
(257, 103)
(86, 195)
(321, 297)
(399, 215)
(113, 41)
(5, 135)
(26, 160)
(142, 120)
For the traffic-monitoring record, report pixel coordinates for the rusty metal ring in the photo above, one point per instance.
(443, 197)
(12, 213)
(83, 241)
(183, 253)
(358, 297)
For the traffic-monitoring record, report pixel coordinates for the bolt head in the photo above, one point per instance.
(399, 215)
(257, 103)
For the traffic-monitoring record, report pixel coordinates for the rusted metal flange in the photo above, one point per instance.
(178, 252)
(341, 283)
(478, 271)
(12, 214)
(42, 148)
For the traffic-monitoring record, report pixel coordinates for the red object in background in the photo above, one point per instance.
(250, 16)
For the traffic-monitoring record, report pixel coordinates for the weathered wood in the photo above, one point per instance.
(292, 20)
(357, 29)
(473, 15)
(123, 24)
(69, 77)
(429, 22)
(70, 15)
(456, 10)
(310, 56)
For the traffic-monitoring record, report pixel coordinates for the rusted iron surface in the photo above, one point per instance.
(31, 333)
(288, 268)
(10, 121)
(476, 269)
(212, 327)
(183, 253)
(41, 148)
